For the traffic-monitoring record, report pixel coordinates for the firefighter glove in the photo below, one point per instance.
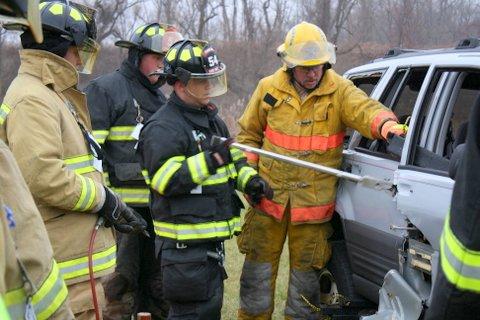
(392, 127)
(219, 152)
(117, 214)
(257, 188)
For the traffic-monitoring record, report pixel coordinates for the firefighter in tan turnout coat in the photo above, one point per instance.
(47, 127)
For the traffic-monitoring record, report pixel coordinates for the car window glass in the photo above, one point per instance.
(444, 117)
(400, 96)
(366, 81)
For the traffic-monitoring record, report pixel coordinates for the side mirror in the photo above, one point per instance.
(455, 160)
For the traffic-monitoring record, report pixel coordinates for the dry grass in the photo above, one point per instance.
(234, 263)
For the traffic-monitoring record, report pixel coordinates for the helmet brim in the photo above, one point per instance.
(31, 20)
(125, 44)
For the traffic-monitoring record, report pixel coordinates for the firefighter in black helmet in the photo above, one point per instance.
(46, 124)
(120, 103)
(193, 180)
(69, 32)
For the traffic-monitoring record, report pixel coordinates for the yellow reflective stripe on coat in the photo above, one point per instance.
(106, 179)
(80, 164)
(87, 195)
(121, 133)
(45, 301)
(79, 267)
(237, 154)
(197, 165)
(245, 174)
(182, 232)
(460, 265)
(222, 175)
(100, 135)
(133, 195)
(3, 310)
(4, 111)
(146, 177)
(164, 174)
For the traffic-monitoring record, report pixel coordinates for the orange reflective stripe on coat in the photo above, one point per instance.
(316, 213)
(304, 143)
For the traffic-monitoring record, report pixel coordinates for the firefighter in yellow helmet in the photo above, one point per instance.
(301, 111)
(47, 128)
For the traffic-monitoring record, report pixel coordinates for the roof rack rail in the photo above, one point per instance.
(398, 51)
(468, 43)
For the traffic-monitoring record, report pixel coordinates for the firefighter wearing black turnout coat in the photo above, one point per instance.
(120, 103)
(456, 292)
(194, 203)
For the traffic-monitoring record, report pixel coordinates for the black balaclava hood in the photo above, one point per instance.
(135, 55)
(52, 42)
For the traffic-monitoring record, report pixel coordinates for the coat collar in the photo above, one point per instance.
(200, 117)
(134, 74)
(49, 68)
(282, 81)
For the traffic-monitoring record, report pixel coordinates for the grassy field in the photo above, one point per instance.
(234, 263)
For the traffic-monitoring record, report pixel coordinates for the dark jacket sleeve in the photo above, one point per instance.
(163, 148)
(102, 110)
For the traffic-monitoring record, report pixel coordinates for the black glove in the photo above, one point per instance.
(219, 152)
(117, 214)
(257, 188)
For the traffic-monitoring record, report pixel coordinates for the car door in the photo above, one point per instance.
(374, 228)
(424, 187)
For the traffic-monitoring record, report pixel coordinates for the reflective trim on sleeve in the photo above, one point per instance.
(87, 195)
(45, 301)
(244, 176)
(106, 179)
(164, 174)
(197, 165)
(133, 195)
(208, 230)
(75, 268)
(220, 177)
(3, 310)
(100, 135)
(121, 133)
(380, 118)
(460, 264)
(4, 111)
(236, 154)
(80, 164)
(146, 177)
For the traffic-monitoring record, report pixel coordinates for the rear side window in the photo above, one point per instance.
(367, 81)
(400, 96)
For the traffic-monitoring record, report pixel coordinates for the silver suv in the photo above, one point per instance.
(399, 229)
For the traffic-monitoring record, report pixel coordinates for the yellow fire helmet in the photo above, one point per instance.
(306, 45)
(24, 12)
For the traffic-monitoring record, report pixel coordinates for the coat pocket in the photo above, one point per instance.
(128, 172)
(194, 205)
(186, 275)
(320, 111)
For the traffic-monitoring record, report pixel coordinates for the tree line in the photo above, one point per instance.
(246, 33)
